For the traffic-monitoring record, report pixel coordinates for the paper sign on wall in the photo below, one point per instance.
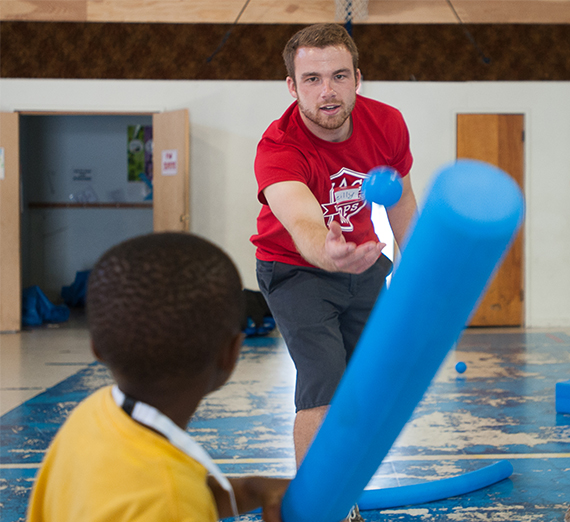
(169, 162)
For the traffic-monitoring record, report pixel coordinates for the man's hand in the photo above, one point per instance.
(302, 215)
(348, 257)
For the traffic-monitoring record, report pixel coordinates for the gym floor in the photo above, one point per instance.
(501, 408)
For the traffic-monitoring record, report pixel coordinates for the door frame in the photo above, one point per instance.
(10, 231)
(523, 232)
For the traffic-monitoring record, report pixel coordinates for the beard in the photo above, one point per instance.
(325, 121)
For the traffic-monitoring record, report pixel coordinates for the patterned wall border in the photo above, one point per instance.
(430, 52)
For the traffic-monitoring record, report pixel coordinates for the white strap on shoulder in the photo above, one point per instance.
(151, 417)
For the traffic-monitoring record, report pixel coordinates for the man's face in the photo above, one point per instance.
(325, 88)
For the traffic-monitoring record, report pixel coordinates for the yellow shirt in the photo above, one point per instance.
(103, 466)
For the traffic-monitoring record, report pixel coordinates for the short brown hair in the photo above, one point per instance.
(161, 306)
(319, 36)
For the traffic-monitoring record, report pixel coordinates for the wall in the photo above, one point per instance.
(227, 119)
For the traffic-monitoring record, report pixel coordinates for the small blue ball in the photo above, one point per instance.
(461, 367)
(383, 186)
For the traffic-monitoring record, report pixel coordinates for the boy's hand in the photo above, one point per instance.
(252, 493)
(272, 491)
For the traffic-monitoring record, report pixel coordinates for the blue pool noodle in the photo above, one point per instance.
(435, 490)
(469, 218)
(385, 498)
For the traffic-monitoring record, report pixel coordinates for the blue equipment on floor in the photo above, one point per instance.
(74, 294)
(563, 397)
(436, 489)
(38, 309)
(259, 320)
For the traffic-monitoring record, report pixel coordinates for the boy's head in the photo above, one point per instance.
(161, 307)
(319, 36)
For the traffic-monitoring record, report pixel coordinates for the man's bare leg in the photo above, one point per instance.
(307, 423)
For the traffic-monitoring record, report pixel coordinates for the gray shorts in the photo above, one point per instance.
(320, 316)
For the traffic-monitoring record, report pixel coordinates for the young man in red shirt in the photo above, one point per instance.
(319, 262)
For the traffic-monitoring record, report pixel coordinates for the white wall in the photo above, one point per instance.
(228, 118)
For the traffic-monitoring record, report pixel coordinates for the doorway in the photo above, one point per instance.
(72, 195)
(79, 196)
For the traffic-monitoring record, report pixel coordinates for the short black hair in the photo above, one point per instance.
(161, 306)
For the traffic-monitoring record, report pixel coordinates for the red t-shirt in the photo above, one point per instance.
(333, 171)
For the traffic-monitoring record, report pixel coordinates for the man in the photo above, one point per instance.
(319, 262)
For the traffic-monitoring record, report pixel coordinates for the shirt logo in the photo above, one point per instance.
(345, 198)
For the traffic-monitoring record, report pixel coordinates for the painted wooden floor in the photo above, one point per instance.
(502, 407)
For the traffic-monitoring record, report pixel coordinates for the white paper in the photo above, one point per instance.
(169, 162)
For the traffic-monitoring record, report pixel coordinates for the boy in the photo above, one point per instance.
(165, 314)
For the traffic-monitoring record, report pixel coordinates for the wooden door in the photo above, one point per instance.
(10, 268)
(171, 176)
(498, 139)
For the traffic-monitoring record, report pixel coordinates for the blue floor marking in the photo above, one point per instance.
(501, 407)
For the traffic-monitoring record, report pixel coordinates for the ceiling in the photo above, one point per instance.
(288, 11)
